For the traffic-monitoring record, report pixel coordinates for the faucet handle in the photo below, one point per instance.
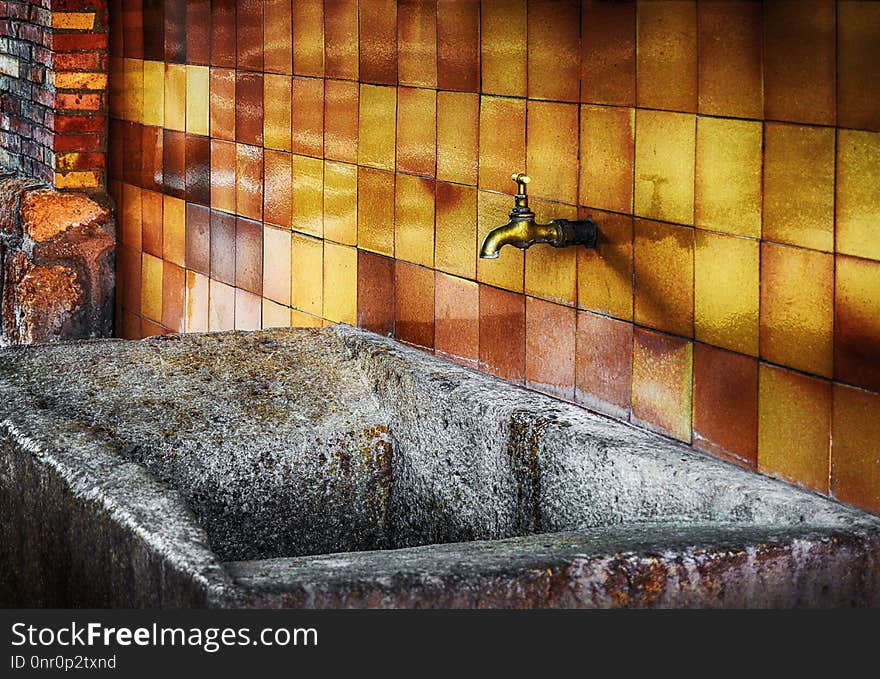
(521, 180)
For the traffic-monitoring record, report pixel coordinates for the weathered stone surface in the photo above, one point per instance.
(274, 447)
(45, 214)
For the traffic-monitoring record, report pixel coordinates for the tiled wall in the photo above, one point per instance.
(302, 163)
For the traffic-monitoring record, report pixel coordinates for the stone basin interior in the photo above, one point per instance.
(307, 442)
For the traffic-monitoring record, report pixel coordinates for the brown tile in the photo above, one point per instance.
(152, 158)
(503, 333)
(858, 65)
(198, 32)
(457, 319)
(175, 30)
(506, 271)
(726, 405)
(249, 181)
(603, 364)
(855, 458)
(416, 131)
(130, 326)
(133, 162)
(308, 117)
(551, 273)
(458, 45)
(151, 222)
(249, 255)
(414, 304)
(503, 46)
(662, 393)
(223, 33)
(308, 37)
(173, 297)
(277, 112)
(306, 278)
(550, 348)
(458, 128)
(340, 202)
(153, 36)
(174, 230)
(133, 30)
(223, 247)
(375, 292)
(197, 302)
(248, 310)
(799, 61)
(276, 265)
(150, 329)
(730, 42)
(249, 108)
(249, 34)
(857, 323)
(277, 41)
(307, 187)
(198, 238)
(608, 52)
(667, 55)
(376, 126)
(607, 157)
(456, 231)
(174, 163)
(797, 297)
(221, 306)
(341, 103)
(794, 427)
(417, 43)
(605, 274)
(664, 275)
(502, 142)
(223, 175)
(552, 151)
(375, 207)
(277, 193)
(128, 272)
(341, 39)
(222, 83)
(414, 220)
(799, 185)
(858, 193)
(198, 169)
(554, 48)
(378, 41)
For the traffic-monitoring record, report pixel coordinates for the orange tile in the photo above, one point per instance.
(603, 364)
(502, 142)
(458, 126)
(858, 65)
(340, 283)
(607, 151)
(413, 304)
(552, 151)
(275, 315)
(307, 187)
(799, 185)
(855, 458)
(551, 273)
(608, 52)
(130, 326)
(416, 131)
(375, 211)
(249, 255)
(507, 270)
(151, 222)
(667, 55)
(131, 216)
(221, 307)
(550, 348)
(664, 184)
(664, 275)
(249, 108)
(502, 333)
(503, 47)
(248, 310)
(173, 297)
(857, 323)
(196, 302)
(726, 405)
(794, 427)
(457, 319)
(727, 196)
(308, 117)
(340, 202)
(341, 103)
(375, 293)
(174, 230)
(222, 103)
(151, 287)
(277, 114)
(417, 43)
(150, 329)
(341, 39)
(175, 97)
(414, 220)
(377, 26)
(730, 43)
(554, 47)
(305, 275)
(456, 230)
(605, 274)
(662, 393)
(797, 290)
(458, 45)
(276, 265)
(726, 291)
(858, 193)
(277, 37)
(223, 173)
(799, 61)
(277, 188)
(308, 37)
(376, 126)
(249, 181)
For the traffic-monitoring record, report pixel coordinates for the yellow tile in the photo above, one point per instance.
(726, 291)
(797, 308)
(503, 47)
(340, 283)
(855, 457)
(276, 265)
(728, 172)
(417, 131)
(275, 315)
(664, 275)
(858, 193)
(664, 186)
(551, 273)
(502, 142)
(458, 126)
(77, 180)
(375, 211)
(307, 182)
(376, 126)
(151, 287)
(666, 57)
(175, 97)
(154, 93)
(799, 185)
(552, 151)
(340, 202)
(307, 273)
(133, 89)
(605, 274)
(276, 111)
(174, 230)
(857, 323)
(506, 271)
(300, 320)
(73, 21)
(607, 147)
(794, 427)
(414, 220)
(198, 99)
(455, 249)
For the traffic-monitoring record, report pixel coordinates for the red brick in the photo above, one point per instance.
(70, 42)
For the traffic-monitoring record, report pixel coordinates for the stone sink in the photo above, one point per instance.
(337, 468)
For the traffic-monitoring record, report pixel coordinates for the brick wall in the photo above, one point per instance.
(53, 90)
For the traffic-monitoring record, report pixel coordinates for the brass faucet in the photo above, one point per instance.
(523, 231)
